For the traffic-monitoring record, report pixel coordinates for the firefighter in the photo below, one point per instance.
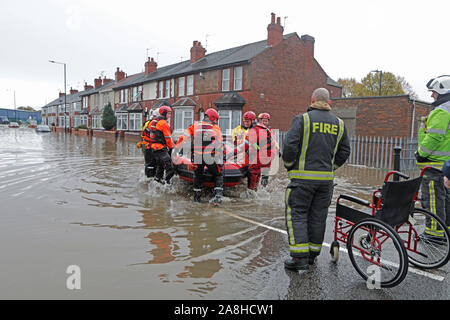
(162, 145)
(315, 145)
(150, 162)
(433, 150)
(264, 119)
(207, 151)
(260, 149)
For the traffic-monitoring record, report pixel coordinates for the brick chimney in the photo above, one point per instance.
(87, 86)
(105, 80)
(119, 75)
(72, 91)
(308, 42)
(197, 51)
(61, 94)
(98, 82)
(274, 31)
(150, 66)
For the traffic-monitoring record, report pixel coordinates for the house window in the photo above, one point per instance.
(183, 119)
(228, 120)
(135, 94)
(124, 96)
(190, 85)
(181, 86)
(135, 121)
(167, 89)
(97, 122)
(226, 80)
(238, 78)
(85, 102)
(140, 93)
(122, 121)
(160, 89)
(84, 120)
(76, 121)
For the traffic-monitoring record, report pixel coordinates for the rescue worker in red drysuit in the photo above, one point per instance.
(261, 150)
(264, 119)
(150, 161)
(207, 151)
(162, 145)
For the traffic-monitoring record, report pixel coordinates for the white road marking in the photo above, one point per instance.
(412, 269)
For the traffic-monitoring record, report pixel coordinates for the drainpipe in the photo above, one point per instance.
(412, 120)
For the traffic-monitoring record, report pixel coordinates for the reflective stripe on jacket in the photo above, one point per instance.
(315, 145)
(160, 135)
(434, 137)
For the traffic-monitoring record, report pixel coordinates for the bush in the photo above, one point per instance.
(82, 126)
(108, 117)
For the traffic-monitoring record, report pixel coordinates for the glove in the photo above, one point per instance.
(139, 145)
(419, 158)
(289, 165)
(264, 181)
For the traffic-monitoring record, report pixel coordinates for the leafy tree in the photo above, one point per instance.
(108, 117)
(26, 108)
(370, 86)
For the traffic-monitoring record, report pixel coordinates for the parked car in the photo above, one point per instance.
(13, 125)
(43, 128)
(4, 120)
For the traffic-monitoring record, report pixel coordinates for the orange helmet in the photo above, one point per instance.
(264, 116)
(249, 115)
(212, 114)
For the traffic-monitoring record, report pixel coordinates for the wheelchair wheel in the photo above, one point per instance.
(425, 250)
(377, 253)
(334, 251)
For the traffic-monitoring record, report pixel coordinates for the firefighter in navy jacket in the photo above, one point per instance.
(315, 145)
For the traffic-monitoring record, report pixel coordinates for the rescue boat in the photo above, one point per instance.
(233, 172)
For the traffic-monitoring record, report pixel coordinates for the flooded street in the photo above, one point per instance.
(73, 200)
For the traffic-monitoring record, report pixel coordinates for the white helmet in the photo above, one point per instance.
(155, 113)
(440, 84)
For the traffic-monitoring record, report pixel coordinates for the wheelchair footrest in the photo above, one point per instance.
(350, 214)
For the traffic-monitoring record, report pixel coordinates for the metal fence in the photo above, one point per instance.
(378, 152)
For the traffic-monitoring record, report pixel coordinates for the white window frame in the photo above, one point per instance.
(237, 82)
(167, 89)
(121, 117)
(134, 121)
(184, 112)
(181, 86)
(190, 85)
(84, 120)
(160, 89)
(226, 129)
(76, 121)
(226, 79)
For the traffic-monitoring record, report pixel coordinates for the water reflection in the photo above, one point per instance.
(68, 190)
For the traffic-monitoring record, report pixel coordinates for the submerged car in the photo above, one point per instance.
(13, 125)
(43, 128)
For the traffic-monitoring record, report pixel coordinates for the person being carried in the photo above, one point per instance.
(162, 145)
(315, 145)
(259, 148)
(206, 145)
(264, 119)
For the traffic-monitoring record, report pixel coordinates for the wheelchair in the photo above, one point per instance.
(390, 232)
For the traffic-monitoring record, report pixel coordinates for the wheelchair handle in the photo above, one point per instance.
(397, 173)
(354, 199)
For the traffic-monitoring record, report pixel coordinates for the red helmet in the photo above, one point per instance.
(212, 114)
(164, 110)
(264, 116)
(249, 115)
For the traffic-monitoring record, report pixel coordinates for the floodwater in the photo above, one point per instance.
(69, 200)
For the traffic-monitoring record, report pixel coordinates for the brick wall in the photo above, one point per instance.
(280, 74)
(381, 116)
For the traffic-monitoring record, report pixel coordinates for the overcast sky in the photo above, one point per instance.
(407, 38)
